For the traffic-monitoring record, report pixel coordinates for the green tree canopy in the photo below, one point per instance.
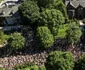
(62, 8)
(58, 60)
(73, 33)
(16, 41)
(52, 18)
(47, 3)
(44, 37)
(29, 12)
(53, 4)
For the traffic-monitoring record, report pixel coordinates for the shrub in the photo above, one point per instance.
(16, 41)
(73, 33)
(53, 4)
(27, 66)
(52, 18)
(1, 34)
(58, 60)
(29, 12)
(80, 65)
(44, 37)
(4, 69)
(42, 68)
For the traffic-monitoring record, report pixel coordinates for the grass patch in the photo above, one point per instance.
(62, 31)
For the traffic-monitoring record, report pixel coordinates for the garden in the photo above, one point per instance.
(48, 40)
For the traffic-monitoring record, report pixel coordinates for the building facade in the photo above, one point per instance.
(75, 8)
(9, 12)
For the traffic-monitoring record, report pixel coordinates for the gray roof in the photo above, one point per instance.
(6, 12)
(76, 3)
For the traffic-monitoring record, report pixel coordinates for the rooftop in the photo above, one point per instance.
(6, 12)
(76, 3)
(9, 7)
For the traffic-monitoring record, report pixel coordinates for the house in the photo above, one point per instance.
(7, 3)
(9, 12)
(75, 8)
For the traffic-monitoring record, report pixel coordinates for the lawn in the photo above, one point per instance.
(62, 31)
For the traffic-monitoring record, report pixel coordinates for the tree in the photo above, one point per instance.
(61, 6)
(53, 4)
(29, 12)
(52, 18)
(47, 3)
(16, 41)
(44, 37)
(73, 33)
(58, 60)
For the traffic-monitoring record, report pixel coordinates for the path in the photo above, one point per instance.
(10, 62)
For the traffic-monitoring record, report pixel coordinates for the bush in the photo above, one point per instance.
(52, 18)
(44, 37)
(42, 68)
(59, 61)
(1, 37)
(80, 65)
(27, 66)
(4, 69)
(16, 41)
(53, 4)
(73, 33)
(1, 34)
(29, 12)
